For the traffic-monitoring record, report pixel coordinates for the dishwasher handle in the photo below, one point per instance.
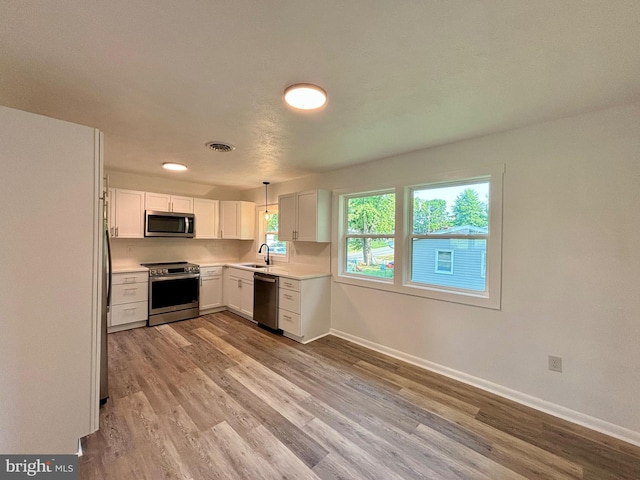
(270, 279)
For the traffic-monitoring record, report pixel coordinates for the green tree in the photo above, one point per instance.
(371, 215)
(430, 215)
(470, 210)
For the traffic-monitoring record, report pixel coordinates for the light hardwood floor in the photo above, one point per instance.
(217, 397)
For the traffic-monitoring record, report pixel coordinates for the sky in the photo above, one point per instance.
(449, 193)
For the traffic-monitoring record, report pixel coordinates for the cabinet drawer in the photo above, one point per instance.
(240, 273)
(289, 322)
(129, 293)
(210, 271)
(290, 284)
(134, 277)
(289, 300)
(129, 313)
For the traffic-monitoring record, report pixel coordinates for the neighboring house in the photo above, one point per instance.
(451, 262)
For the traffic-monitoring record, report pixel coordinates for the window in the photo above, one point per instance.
(369, 242)
(441, 238)
(444, 261)
(450, 221)
(268, 233)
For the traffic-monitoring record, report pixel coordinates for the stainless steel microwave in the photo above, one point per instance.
(169, 224)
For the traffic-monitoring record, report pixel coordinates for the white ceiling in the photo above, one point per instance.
(163, 77)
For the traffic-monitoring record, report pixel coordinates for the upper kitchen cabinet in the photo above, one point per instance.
(206, 213)
(163, 202)
(126, 212)
(237, 220)
(305, 216)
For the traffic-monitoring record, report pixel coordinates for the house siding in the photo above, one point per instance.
(467, 263)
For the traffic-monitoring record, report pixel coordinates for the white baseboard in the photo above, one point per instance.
(559, 411)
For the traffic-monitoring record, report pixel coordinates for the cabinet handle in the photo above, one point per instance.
(116, 231)
(239, 283)
(130, 280)
(131, 289)
(133, 309)
(200, 280)
(288, 297)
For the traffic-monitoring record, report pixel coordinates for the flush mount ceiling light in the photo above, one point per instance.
(220, 147)
(305, 96)
(176, 167)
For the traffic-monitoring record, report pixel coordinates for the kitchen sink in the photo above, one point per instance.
(254, 265)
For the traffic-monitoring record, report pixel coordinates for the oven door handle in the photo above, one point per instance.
(175, 277)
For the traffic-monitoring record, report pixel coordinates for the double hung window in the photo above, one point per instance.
(441, 238)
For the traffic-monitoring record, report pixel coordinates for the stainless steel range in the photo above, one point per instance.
(174, 290)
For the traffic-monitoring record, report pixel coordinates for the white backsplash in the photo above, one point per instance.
(134, 251)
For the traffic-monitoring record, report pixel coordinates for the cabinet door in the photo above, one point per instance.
(286, 216)
(181, 204)
(307, 217)
(206, 213)
(229, 219)
(129, 214)
(210, 292)
(246, 298)
(232, 292)
(246, 220)
(159, 202)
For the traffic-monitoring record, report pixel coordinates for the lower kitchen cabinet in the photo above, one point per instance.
(304, 308)
(210, 288)
(129, 301)
(238, 291)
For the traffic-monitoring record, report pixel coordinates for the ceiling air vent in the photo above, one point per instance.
(220, 147)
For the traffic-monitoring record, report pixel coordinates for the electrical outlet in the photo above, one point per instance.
(555, 363)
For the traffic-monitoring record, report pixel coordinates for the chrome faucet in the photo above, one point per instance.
(266, 260)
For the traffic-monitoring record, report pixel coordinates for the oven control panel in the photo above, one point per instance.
(171, 269)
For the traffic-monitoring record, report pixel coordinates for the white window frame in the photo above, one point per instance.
(372, 236)
(436, 269)
(262, 235)
(401, 283)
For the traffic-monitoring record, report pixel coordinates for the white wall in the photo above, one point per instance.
(571, 270)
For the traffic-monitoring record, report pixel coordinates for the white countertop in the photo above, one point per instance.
(297, 272)
(128, 269)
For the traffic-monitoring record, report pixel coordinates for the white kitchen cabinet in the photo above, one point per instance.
(237, 220)
(238, 291)
(206, 215)
(126, 210)
(163, 202)
(210, 288)
(129, 301)
(304, 306)
(305, 216)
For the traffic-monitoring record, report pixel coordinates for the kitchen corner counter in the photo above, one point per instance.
(295, 272)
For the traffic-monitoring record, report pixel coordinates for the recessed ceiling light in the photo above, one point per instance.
(220, 147)
(178, 167)
(305, 96)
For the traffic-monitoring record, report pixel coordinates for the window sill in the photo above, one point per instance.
(479, 299)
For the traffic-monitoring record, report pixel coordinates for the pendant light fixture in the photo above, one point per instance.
(267, 216)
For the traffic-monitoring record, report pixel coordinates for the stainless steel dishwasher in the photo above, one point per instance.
(265, 300)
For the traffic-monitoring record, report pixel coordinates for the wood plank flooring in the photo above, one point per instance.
(218, 398)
